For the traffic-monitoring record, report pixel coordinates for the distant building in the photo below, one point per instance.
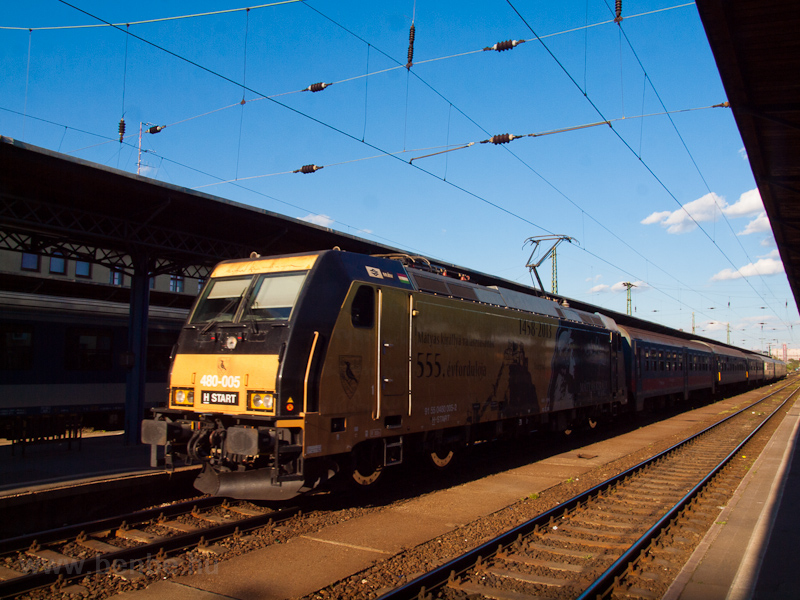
(785, 354)
(66, 269)
(64, 337)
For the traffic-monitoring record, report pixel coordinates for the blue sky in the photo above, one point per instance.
(664, 201)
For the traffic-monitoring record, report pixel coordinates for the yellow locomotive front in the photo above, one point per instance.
(230, 407)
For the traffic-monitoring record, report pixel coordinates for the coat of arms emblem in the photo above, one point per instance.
(349, 373)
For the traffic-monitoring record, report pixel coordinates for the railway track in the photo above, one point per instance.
(622, 538)
(129, 547)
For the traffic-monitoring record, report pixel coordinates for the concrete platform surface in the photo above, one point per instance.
(46, 465)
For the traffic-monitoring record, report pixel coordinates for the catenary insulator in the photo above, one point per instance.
(503, 138)
(317, 87)
(618, 11)
(306, 169)
(121, 129)
(156, 128)
(411, 35)
(507, 45)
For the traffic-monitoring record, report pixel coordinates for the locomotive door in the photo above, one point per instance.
(393, 348)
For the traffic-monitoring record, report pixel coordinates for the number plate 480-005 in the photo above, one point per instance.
(226, 398)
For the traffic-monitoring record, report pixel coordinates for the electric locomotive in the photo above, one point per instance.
(291, 369)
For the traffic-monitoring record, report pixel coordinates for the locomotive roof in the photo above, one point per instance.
(498, 296)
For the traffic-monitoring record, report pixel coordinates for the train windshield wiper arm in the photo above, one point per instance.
(233, 302)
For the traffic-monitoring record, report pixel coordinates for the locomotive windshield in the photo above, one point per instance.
(267, 297)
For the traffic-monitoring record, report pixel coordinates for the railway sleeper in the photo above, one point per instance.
(7, 573)
(488, 592)
(546, 564)
(528, 577)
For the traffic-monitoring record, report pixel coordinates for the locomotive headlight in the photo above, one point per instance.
(182, 397)
(260, 401)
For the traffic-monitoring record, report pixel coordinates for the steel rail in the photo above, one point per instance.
(70, 531)
(155, 551)
(603, 584)
(440, 575)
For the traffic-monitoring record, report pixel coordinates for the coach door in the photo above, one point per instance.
(393, 336)
(614, 367)
(640, 355)
(685, 364)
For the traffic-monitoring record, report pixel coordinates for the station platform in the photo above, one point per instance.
(46, 464)
(750, 553)
(57, 482)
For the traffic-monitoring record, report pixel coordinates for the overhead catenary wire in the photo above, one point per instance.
(507, 149)
(159, 20)
(494, 204)
(318, 121)
(618, 20)
(625, 143)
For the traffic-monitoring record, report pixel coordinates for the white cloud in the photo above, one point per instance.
(707, 208)
(768, 242)
(618, 287)
(322, 220)
(656, 217)
(684, 220)
(758, 225)
(749, 203)
(743, 153)
(769, 265)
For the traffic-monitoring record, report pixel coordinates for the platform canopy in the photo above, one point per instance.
(756, 44)
(54, 203)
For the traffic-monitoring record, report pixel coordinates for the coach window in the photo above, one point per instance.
(16, 347)
(89, 350)
(30, 262)
(362, 312)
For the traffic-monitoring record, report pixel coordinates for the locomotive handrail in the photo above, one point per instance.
(378, 349)
(308, 371)
(410, 334)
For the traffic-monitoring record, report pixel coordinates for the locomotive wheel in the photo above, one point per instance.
(366, 478)
(441, 458)
(367, 465)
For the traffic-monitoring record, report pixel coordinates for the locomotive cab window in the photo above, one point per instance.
(274, 297)
(220, 300)
(362, 311)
